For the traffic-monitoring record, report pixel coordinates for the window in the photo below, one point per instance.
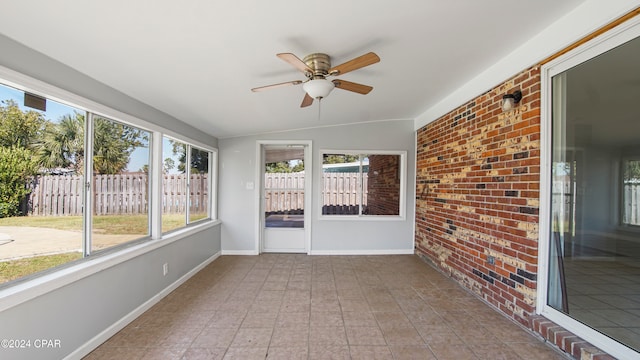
(120, 191)
(174, 184)
(363, 184)
(199, 178)
(41, 183)
(185, 188)
(47, 180)
(592, 251)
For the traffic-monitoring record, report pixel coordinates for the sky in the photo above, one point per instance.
(56, 110)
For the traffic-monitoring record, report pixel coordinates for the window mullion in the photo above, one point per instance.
(156, 176)
(212, 192)
(87, 213)
(360, 186)
(187, 171)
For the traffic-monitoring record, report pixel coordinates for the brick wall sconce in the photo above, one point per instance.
(509, 100)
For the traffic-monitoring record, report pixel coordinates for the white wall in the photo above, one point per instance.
(237, 203)
(88, 311)
(582, 21)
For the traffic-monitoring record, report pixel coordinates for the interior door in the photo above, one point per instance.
(283, 198)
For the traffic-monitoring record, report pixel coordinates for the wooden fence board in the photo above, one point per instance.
(128, 193)
(285, 191)
(59, 195)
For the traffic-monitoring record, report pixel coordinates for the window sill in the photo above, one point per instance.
(26, 290)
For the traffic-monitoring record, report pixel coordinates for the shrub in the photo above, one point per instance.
(17, 165)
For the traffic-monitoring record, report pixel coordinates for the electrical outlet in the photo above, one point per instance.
(165, 269)
(491, 260)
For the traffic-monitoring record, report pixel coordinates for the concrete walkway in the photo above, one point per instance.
(23, 241)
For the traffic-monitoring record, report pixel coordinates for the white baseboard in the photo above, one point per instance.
(364, 252)
(330, 252)
(120, 324)
(240, 252)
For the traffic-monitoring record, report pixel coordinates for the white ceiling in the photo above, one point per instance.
(198, 59)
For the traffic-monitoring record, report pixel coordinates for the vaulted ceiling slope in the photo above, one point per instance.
(198, 59)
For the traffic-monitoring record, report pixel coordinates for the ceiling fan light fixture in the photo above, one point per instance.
(316, 68)
(318, 88)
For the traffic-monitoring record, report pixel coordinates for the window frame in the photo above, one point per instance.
(211, 190)
(208, 217)
(88, 201)
(364, 217)
(599, 45)
(30, 286)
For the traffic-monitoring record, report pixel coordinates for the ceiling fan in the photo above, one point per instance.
(316, 68)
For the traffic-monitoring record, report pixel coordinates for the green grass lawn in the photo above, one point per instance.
(52, 222)
(106, 224)
(14, 269)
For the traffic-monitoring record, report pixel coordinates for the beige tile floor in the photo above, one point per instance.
(289, 306)
(605, 294)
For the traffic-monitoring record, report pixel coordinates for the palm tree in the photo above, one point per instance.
(62, 145)
(113, 144)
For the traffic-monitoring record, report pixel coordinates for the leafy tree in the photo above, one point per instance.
(28, 142)
(284, 167)
(16, 166)
(18, 128)
(199, 161)
(18, 132)
(339, 159)
(179, 149)
(298, 167)
(278, 167)
(168, 165)
(113, 145)
(632, 170)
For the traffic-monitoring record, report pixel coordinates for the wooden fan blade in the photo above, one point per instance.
(351, 86)
(355, 64)
(308, 100)
(273, 86)
(294, 61)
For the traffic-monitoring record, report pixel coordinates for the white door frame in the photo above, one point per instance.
(259, 189)
(617, 36)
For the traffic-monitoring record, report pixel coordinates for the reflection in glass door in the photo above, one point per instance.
(594, 237)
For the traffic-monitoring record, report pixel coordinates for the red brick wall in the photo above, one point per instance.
(383, 185)
(477, 195)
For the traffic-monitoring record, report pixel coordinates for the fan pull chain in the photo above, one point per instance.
(319, 108)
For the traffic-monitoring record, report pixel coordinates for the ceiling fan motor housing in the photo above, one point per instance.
(319, 63)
